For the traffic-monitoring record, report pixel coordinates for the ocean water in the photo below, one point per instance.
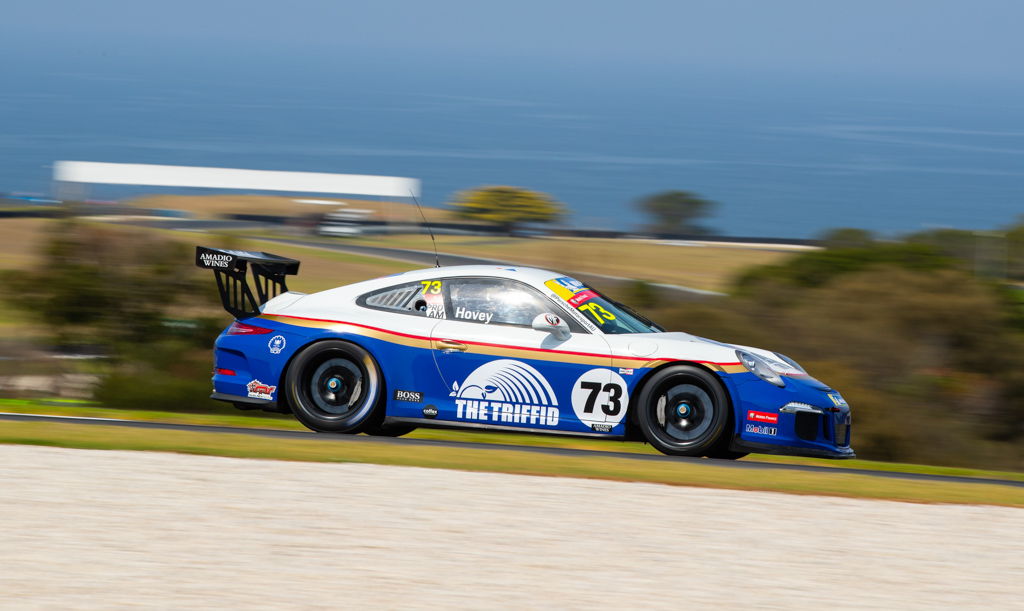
(783, 158)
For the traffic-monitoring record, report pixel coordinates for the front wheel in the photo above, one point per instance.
(682, 410)
(334, 387)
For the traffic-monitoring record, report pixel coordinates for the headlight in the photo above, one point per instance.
(759, 367)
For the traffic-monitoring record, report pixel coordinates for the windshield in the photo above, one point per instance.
(609, 316)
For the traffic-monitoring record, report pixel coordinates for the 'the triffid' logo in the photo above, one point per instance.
(506, 391)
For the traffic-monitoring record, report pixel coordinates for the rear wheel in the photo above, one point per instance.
(683, 410)
(334, 387)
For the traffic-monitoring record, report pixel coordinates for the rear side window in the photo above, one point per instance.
(424, 298)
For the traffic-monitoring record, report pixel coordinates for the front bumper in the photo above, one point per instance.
(802, 418)
(742, 445)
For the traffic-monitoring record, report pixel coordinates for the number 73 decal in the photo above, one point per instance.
(599, 399)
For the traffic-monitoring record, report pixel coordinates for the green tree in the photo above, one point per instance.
(507, 206)
(847, 237)
(929, 354)
(104, 286)
(676, 211)
(139, 299)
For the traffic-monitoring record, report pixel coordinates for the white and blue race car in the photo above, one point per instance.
(504, 348)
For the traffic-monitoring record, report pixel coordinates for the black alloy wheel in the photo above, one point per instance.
(683, 411)
(335, 387)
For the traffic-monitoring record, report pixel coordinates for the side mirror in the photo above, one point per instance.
(549, 323)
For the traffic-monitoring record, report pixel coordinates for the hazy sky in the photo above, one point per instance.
(794, 114)
(926, 39)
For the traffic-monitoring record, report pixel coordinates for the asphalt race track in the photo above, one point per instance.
(309, 435)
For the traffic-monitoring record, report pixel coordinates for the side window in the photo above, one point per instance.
(496, 301)
(424, 298)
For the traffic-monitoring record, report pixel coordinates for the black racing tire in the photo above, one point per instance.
(721, 449)
(389, 430)
(725, 454)
(335, 387)
(682, 410)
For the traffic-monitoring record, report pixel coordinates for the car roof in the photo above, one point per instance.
(530, 275)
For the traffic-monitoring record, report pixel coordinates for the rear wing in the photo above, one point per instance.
(231, 267)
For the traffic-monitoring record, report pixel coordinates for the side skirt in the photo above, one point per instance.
(246, 403)
(450, 424)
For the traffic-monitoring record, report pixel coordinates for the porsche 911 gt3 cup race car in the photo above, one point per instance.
(504, 348)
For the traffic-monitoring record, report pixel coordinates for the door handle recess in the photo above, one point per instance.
(450, 345)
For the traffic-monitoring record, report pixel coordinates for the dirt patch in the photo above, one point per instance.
(91, 529)
(213, 206)
(21, 240)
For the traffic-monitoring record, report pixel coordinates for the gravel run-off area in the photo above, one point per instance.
(83, 529)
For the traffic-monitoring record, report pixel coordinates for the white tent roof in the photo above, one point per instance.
(92, 172)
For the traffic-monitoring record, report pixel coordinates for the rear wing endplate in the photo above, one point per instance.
(231, 267)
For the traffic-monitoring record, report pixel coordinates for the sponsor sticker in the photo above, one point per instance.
(837, 399)
(276, 344)
(565, 287)
(626, 371)
(435, 305)
(259, 390)
(430, 411)
(601, 428)
(768, 417)
(506, 391)
(757, 429)
(216, 259)
(570, 284)
(581, 297)
(411, 396)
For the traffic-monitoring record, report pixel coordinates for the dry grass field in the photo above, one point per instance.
(702, 267)
(215, 206)
(21, 239)
(323, 269)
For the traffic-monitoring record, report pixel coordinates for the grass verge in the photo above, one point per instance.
(285, 422)
(507, 461)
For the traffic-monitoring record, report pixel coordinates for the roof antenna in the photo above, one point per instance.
(437, 260)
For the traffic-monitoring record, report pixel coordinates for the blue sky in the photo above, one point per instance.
(934, 39)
